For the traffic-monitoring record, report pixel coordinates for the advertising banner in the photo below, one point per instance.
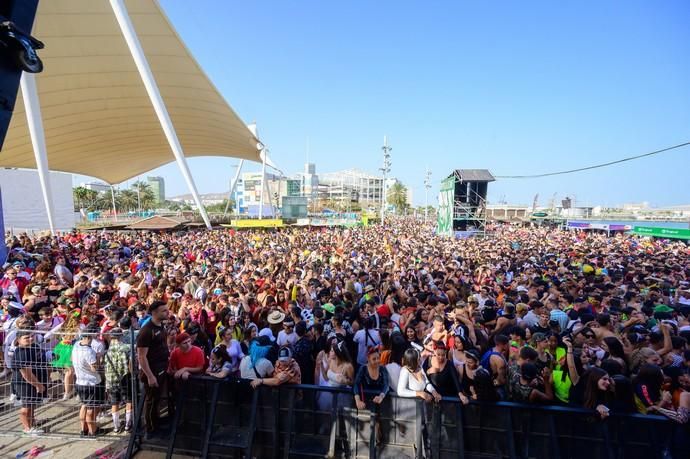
(668, 233)
(445, 208)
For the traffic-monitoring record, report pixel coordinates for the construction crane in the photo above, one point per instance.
(534, 203)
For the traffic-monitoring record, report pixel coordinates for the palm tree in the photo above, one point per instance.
(126, 200)
(145, 196)
(397, 196)
(103, 201)
(79, 195)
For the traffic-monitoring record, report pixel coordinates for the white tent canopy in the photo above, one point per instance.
(97, 116)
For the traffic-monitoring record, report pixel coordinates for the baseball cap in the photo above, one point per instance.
(662, 308)
(284, 354)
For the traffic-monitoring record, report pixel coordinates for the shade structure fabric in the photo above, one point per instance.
(97, 116)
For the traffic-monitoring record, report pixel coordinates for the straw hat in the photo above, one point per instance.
(276, 317)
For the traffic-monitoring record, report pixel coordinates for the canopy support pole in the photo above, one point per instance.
(112, 197)
(142, 64)
(38, 140)
(234, 186)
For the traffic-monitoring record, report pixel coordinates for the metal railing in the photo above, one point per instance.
(40, 379)
(220, 418)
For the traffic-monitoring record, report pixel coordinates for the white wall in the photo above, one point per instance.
(22, 201)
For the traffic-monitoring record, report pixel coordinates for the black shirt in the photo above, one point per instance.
(29, 357)
(446, 381)
(154, 338)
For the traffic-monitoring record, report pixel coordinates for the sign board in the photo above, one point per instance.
(445, 207)
(321, 221)
(598, 226)
(668, 233)
(256, 223)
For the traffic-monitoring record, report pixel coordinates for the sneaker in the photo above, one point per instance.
(33, 431)
(119, 429)
(67, 396)
(128, 427)
(13, 397)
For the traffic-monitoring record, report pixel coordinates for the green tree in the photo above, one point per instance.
(397, 197)
(145, 196)
(103, 201)
(79, 195)
(84, 198)
(219, 207)
(126, 200)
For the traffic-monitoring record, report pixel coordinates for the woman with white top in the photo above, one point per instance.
(413, 382)
(337, 371)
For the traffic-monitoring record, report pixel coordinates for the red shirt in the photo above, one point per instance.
(384, 311)
(192, 359)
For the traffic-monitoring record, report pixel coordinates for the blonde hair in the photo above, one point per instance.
(639, 357)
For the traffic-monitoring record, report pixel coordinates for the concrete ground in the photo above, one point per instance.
(58, 448)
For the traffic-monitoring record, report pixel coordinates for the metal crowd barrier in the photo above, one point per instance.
(56, 411)
(227, 418)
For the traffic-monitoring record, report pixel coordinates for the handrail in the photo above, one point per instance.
(467, 429)
(516, 405)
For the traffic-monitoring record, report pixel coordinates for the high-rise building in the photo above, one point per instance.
(310, 181)
(157, 185)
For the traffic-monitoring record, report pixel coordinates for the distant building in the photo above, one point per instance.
(506, 212)
(95, 186)
(352, 185)
(309, 181)
(276, 188)
(157, 185)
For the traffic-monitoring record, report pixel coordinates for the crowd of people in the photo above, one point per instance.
(533, 315)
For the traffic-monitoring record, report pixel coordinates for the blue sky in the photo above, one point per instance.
(514, 87)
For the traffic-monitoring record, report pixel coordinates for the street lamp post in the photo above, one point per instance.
(385, 170)
(427, 186)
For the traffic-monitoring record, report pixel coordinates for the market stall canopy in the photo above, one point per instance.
(97, 116)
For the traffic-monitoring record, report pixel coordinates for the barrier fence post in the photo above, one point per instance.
(211, 418)
(372, 432)
(433, 434)
(134, 367)
(510, 434)
(176, 418)
(460, 430)
(290, 423)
